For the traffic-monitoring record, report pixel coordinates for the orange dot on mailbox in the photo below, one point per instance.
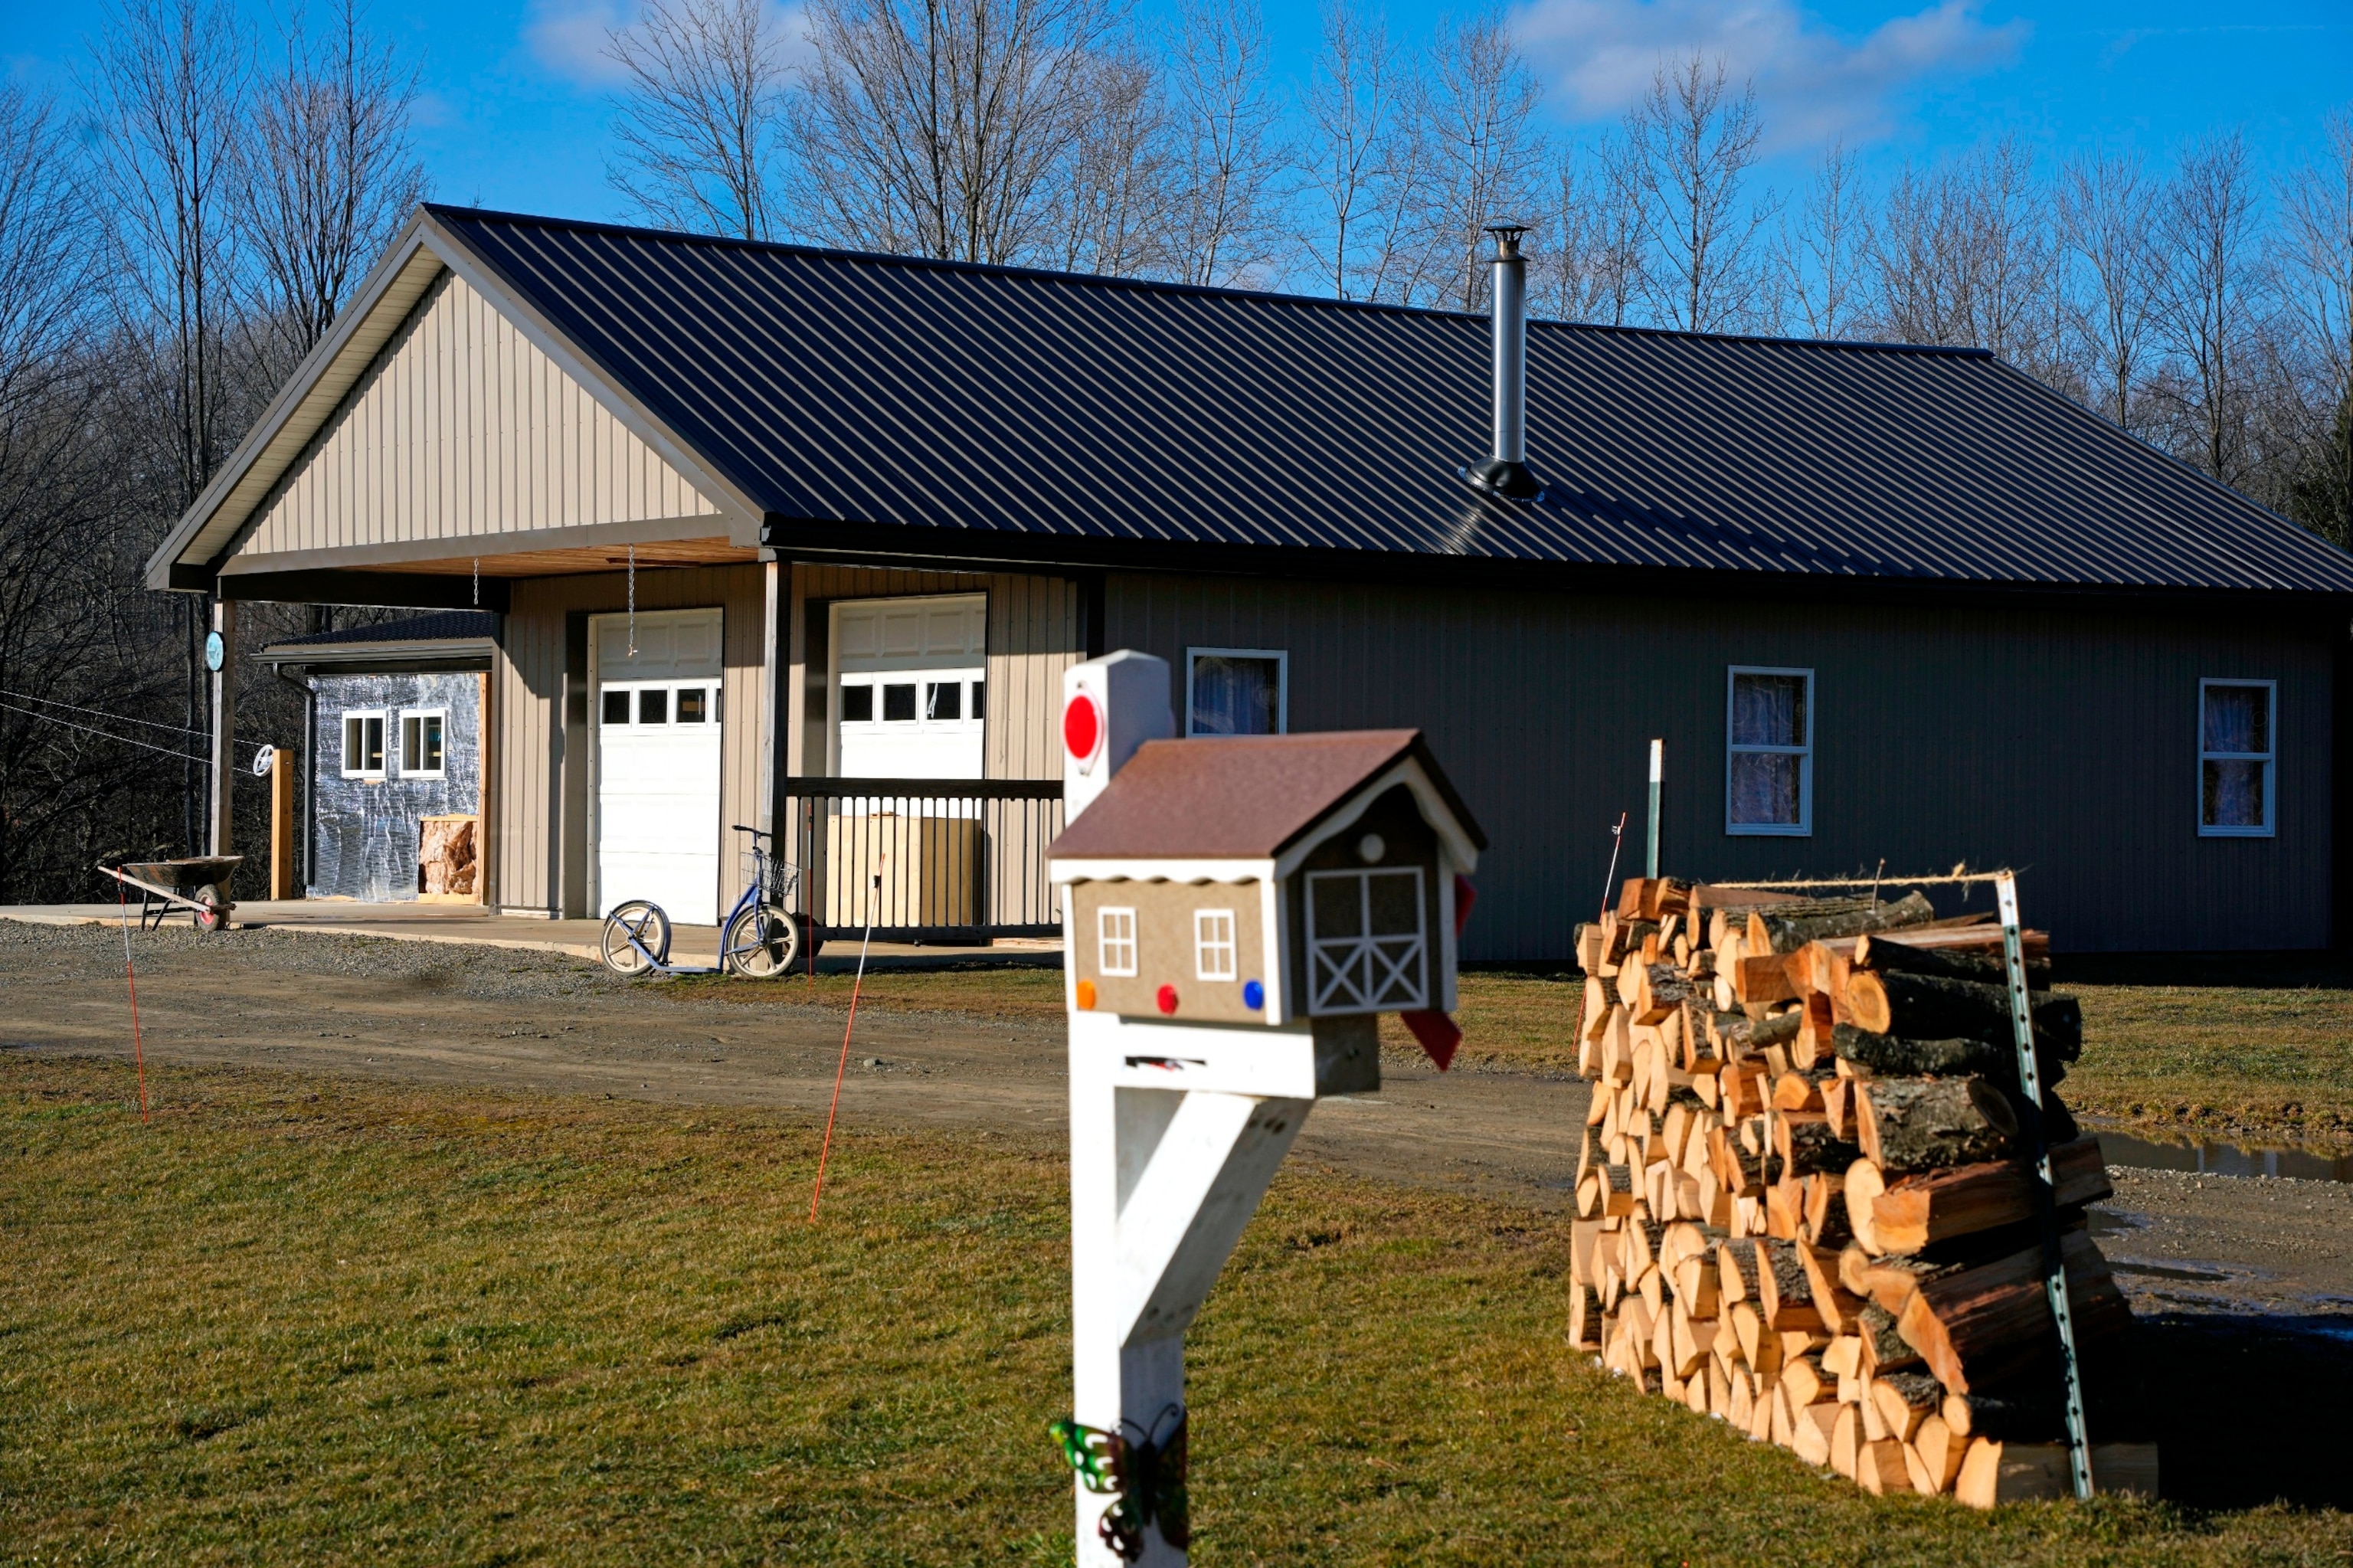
(1086, 996)
(1167, 999)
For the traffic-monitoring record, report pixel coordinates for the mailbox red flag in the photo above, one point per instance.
(1437, 1036)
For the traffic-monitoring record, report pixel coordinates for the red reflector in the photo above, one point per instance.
(1167, 999)
(1081, 726)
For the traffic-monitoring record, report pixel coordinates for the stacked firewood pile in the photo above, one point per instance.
(1804, 1202)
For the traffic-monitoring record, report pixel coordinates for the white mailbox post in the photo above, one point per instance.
(1237, 912)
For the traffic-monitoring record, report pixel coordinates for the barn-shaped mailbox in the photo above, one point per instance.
(1269, 880)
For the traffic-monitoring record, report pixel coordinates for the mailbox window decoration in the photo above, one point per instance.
(1365, 939)
(1213, 944)
(1116, 941)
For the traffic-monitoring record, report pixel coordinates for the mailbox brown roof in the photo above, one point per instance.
(1241, 797)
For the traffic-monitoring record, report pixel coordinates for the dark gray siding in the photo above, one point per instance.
(365, 830)
(2062, 742)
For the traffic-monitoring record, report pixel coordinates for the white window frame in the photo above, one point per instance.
(402, 751)
(344, 753)
(1282, 658)
(1803, 827)
(1115, 933)
(2269, 759)
(1216, 954)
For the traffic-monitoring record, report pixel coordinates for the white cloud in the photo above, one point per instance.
(573, 38)
(1813, 85)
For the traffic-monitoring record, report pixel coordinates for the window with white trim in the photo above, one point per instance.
(420, 743)
(1213, 944)
(1115, 942)
(363, 745)
(1237, 691)
(1768, 765)
(2236, 789)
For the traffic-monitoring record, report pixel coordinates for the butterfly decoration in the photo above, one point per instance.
(1143, 1475)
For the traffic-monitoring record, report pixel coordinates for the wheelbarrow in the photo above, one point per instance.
(198, 885)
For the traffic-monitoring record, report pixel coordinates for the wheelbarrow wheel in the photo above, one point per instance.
(211, 913)
(637, 938)
(761, 944)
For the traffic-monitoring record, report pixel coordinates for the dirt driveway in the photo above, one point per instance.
(2278, 1251)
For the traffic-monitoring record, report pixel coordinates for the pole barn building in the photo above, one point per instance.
(805, 539)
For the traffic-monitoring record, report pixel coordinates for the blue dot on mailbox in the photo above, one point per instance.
(1253, 995)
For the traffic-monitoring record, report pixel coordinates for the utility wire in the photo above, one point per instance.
(102, 735)
(119, 718)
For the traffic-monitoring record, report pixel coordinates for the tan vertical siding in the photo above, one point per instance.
(462, 427)
(2062, 742)
(536, 834)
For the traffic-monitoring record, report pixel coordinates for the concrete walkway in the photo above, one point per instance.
(475, 925)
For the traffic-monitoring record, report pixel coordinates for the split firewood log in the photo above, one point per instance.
(1890, 1056)
(1905, 1400)
(1917, 1211)
(1785, 931)
(1930, 1007)
(1884, 1349)
(1970, 954)
(1785, 1296)
(1927, 1124)
(1979, 1325)
(1804, 1141)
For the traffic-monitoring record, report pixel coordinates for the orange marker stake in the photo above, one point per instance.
(843, 1065)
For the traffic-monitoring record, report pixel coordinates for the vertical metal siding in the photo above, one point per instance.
(2062, 742)
(536, 836)
(460, 429)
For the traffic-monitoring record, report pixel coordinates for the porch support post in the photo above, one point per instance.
(224, 755)
(774, 709)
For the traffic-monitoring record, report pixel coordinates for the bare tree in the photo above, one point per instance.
(1119, 177)
(1966, 254)
(168, 94)
(2318, 276)
(1477, 105)
(941, 127)
(2107, 213)
(1818, 261)
(1693, 143)
(1355, 113)
(2212, 302)
(1232, 153)
(700, 116)
(327, 178)
(1587, 264)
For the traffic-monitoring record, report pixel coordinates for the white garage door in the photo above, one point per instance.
(658, 728)
(911, 692)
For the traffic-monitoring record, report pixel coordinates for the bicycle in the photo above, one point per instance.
(759, 939)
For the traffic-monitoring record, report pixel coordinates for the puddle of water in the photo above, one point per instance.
(2223, 1159)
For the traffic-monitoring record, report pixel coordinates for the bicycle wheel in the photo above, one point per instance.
(637, 938)
(761, 944)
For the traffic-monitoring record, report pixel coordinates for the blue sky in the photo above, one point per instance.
(515, 112)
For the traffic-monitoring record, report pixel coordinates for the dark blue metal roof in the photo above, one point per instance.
(1011, 409)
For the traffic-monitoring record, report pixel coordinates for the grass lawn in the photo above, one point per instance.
(316, 1320)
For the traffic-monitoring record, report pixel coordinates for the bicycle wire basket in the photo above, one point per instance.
(777, 880)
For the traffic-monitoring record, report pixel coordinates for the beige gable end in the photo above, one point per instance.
(463, 429)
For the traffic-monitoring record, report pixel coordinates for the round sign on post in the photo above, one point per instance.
(264, 761)
(216, 651)
(1082, 729)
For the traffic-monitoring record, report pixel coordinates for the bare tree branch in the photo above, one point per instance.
(1694, 144)
(701, 118)
(2108, 212)
(1225, 223)
(1478, 105)
(1818, 262)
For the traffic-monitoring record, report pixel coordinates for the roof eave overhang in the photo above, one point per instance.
(819, 541)
(190, 557)
(472, 651)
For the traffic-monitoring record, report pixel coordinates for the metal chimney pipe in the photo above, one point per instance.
(1504, 471)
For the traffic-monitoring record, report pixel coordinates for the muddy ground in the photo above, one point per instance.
(2260, 1269)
